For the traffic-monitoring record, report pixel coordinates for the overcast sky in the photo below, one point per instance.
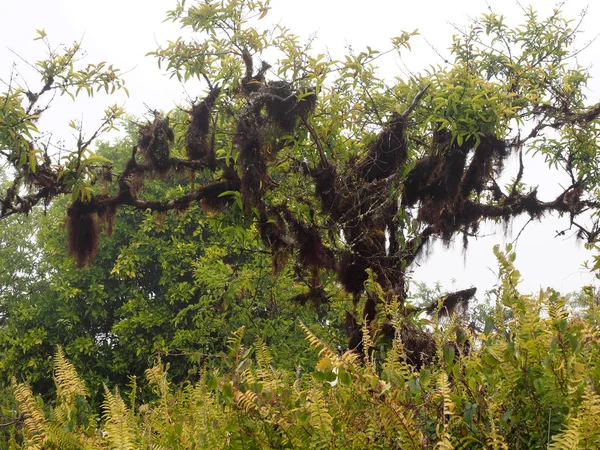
(122, 32)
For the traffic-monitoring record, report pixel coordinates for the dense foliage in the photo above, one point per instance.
(529, 380)
(291, 202)
(172, 286)
(331, 164)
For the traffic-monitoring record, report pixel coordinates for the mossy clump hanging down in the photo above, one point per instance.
(197, 143)
(155, 141)
(82, 233)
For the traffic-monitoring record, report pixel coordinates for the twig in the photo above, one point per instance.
(521, 231)
(414, 103)
(318, 142)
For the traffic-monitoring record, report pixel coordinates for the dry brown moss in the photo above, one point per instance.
(155, 140)
(197, 144)
(82, 233)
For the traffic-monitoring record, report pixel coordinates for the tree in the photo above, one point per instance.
(170, 287)
(346, 173)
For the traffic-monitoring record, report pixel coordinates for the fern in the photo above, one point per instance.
(234, 342)
(68, 383)
(34, 419)
(320, 419)
(119, 431)
(495, 440)
(265, 371)
(583, 430)
(368, 344)
(448, 407)
(248, 401)
(157, 377)
(530, 384)
(318, 344)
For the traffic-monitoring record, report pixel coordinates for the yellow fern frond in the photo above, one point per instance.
(317, 344)
(68, 383)
(443, 386)
(157, 377)
(582, 429)
(367, 342)
(35, 421)
(234, 342)
(248, 401)
(117, 425)
(350, 358)
(495, 440)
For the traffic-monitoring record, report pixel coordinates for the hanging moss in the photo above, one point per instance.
(481, 166)
(155, 142)
(82, 233)
(106, 217)
(325, 177)
(352, 272)
(456, 302)
(274, 234)
(386, 153)
(416, 186)
(255, 177)
(252, 82)
(315, 296)
(197, 145)
(285, 107)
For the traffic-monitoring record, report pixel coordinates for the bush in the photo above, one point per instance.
(531, 379)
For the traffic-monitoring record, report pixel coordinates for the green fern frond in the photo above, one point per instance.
(132, 392)
(557, 306)
(320, 419)
(265, 372)
(62, 437)
(395, 365)
(263, 355)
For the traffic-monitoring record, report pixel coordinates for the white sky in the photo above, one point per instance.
(122, 32)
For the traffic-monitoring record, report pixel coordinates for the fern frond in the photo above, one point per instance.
(495, 440)
(35, 421)
(120, 433)
(234, 342)
(157, 377)
(68, 383)
(263, 356)
(395, 364)
(443, 386)
(320, 419)
(132, 392)
(248, 401)
(265, 372)
(569, 438)
(317, 344)
(582, 429)
(367, 342)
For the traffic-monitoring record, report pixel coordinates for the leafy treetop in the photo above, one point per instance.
(344, 171)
